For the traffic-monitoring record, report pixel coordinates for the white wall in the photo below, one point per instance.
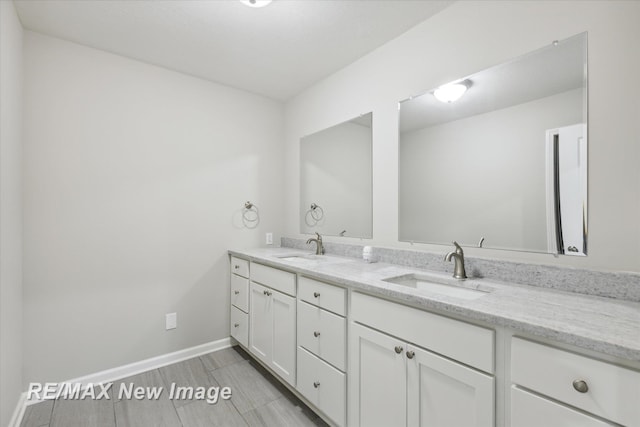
(10, 210)
(471, 36)
(336, 175)
(482, 176)
(134, 179)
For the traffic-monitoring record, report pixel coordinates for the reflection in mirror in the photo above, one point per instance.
(335, 180)
(505, 165)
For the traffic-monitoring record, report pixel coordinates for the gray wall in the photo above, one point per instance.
(134, 178)
(470, 36)
(10, 210)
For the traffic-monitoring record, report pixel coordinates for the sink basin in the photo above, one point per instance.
(309, 258)
(439, 286)
(297, 257)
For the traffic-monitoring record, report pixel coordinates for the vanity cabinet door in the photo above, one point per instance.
(283, 357)
(444, 393)
(377, 379)
(273, 330)
(261, 329)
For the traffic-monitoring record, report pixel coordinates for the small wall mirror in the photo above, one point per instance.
(335, 180)
(505, 165)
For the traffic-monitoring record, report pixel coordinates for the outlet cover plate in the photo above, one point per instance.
(171, 321)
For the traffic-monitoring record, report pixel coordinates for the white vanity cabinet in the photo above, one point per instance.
(396, 378)
(322, 332)
(361, 360)
(272, 316)
(549, 383)
(239, 318)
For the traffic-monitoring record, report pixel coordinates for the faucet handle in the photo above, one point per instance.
(319, 237)
(458, 247)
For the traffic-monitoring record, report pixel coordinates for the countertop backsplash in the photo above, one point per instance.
(618, 285)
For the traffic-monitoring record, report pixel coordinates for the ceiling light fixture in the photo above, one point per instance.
(256, 3)
(451, 92)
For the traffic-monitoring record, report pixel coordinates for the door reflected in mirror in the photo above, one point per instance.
(505, 165)
(336, 180)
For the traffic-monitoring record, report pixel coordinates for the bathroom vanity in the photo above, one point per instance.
(382, 344)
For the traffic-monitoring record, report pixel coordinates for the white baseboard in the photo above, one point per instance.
(125, 371)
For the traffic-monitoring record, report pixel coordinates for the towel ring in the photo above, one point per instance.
(317, 213)
(250, 215)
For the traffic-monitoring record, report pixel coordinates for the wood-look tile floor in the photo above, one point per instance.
(258, 399)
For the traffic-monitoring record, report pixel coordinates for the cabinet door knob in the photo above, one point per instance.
(316, 294)
(398, 349)
(410, 354)
(580, 386)
(236, 292)
(316, 384)
(316, 334)
(264, 292)
(236, 325)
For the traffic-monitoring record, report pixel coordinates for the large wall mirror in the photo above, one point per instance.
(505, 165)
(335, 180)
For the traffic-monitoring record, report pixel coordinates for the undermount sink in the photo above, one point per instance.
(439, 286)
(309, 258)
(297, 257)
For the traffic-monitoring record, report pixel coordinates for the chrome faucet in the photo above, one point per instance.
(458, 255)
(318, 240)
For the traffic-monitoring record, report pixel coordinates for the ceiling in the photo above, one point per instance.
(276, 51)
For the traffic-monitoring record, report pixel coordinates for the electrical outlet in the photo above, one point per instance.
(171, 320)
(269, 239)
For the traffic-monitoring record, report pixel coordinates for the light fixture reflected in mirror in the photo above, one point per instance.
(255, 3)
(451, 92)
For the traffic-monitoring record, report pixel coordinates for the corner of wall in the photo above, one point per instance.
(11, 405)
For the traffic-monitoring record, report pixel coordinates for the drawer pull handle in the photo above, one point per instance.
(236, 325)
(398, 349)
(581, 386)
(316, 294)
(267, 293)
(316, 384)
(236, 292)
(237, 267)
(316, 334)
(410, 354)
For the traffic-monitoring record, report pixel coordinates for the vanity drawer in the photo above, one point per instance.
(323, 385)
(240, 267)
(240, 326)
(323, 334)
(613, 391)
(470, 344)
(529, 410)
(329, 297)
(280, 280)
(240, 292)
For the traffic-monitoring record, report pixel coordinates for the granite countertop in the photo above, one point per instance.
(604, 325)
